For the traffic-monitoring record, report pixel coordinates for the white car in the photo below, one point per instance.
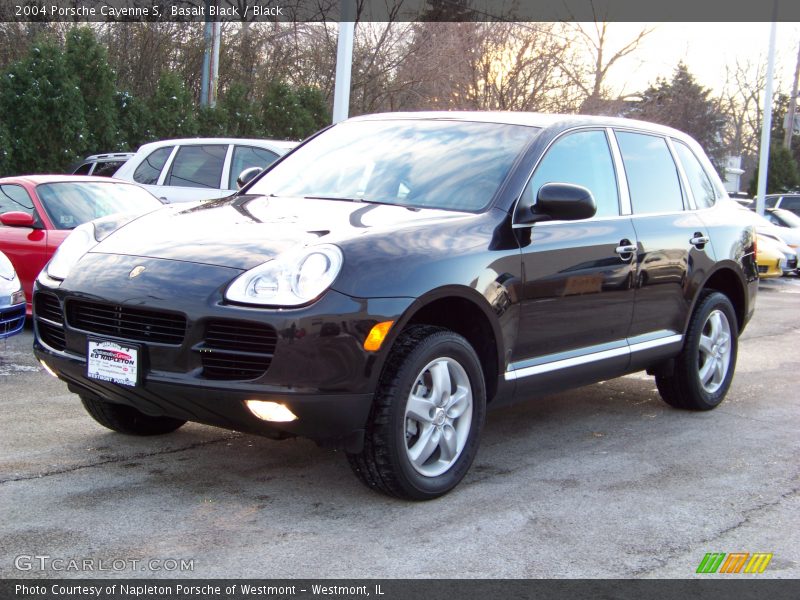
(12, 300)
(185, 170)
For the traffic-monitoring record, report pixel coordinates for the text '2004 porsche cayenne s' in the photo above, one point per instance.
(380, 286)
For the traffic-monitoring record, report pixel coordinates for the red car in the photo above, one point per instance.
(37, 212)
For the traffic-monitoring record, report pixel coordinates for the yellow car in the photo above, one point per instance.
(769, 256)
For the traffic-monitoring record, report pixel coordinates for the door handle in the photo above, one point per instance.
(625, 250)
(699, 240)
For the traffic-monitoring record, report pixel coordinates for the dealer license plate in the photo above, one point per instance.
(110, 361)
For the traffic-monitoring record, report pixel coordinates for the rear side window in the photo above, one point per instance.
(107, 169)
(14, 198)
(83, 169)
(198, 166)
(702, 188)
(581, 158)
(770, 202)
(147, 173)
(652, 175)
(791, 203)
(245, 157)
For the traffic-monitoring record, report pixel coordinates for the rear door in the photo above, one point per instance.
(674, 250)
(194, 173)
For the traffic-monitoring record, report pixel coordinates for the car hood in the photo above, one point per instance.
(245, 231)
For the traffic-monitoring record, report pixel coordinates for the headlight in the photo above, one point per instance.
(294, 278)
(78, 243)
(82, 239)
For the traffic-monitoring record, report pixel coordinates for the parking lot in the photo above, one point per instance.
(602, 481)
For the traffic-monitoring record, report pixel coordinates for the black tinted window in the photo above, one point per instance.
(245, 157)
(581, 158)
(148, 172)
(702, 188)
(770, 202)
(83, 169)
(790, 203)
(198, 166)
(14, 198)
(107, 169)
(652, 175)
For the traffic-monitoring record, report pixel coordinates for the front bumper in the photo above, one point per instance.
(318, 368)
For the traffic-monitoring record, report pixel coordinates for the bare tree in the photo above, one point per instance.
(588, 65)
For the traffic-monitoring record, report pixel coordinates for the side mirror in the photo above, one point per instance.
(247, 176)
(17, 219)
(562, 202)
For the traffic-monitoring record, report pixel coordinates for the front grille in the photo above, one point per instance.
(233, 350)
(49, 320)
(52, 335)
(11, 320)
(47, 306)
(125, 322)
(763, 268)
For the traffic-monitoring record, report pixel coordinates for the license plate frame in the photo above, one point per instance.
(114, 362)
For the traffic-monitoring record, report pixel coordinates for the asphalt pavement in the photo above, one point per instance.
(605, 481)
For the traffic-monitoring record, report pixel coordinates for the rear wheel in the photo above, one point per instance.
(704, 368)
(424, 428)
(126, 419)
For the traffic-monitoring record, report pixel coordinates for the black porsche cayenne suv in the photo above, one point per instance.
(382, 285)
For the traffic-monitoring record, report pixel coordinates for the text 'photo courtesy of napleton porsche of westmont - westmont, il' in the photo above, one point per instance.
(399, 298)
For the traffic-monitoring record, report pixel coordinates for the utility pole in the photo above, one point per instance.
(766, 124)
(787, 136)
(210, 73)
(344, 61)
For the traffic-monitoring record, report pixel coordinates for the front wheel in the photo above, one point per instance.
(424, 428)
(704, 368)
(126, 419)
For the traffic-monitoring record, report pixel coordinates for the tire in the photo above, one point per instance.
(423, 433)
(126, 419)
(704, 369)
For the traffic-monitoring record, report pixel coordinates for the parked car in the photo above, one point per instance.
(12, 300)
(37, 212)
(198, 168)
(771, 258)
(790, 202)
(788, 224)
(101, 165)
(384, 283)
(776, 245)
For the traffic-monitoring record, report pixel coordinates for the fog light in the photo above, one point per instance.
(376, 336)
(270, 411)
(47, 368)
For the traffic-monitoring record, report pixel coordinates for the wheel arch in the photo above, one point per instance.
(727, 281)
(467, 313)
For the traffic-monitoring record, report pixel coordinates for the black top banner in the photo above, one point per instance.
(399, 10)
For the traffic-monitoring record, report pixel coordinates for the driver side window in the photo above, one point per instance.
(582, 158)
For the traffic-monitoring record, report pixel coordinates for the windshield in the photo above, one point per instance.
(451, 165)
(72, 203)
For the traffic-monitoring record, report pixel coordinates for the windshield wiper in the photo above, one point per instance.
(360, 200)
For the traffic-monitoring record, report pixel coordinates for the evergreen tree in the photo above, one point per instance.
(782, 171)
(684, 104)
(5, 151)
(240, 112)
(87, 63)
(289, 115)
(212, 122)
(133, 121)
(172, 109)
(42, 107)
